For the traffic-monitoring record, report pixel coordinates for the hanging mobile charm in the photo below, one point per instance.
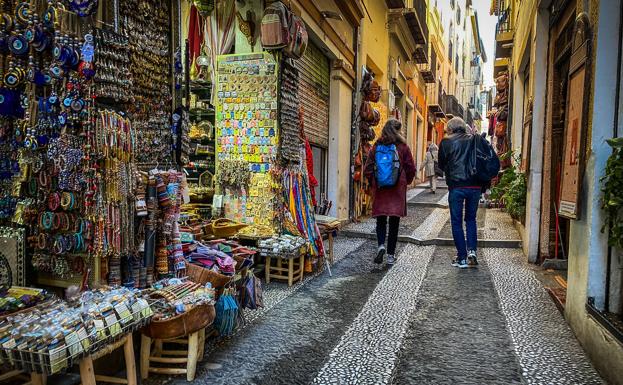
(86, 67)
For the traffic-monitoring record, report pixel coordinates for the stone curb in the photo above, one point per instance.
(427, 204)
(495, 243)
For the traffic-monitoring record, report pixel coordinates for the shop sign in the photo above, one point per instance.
(576, 122)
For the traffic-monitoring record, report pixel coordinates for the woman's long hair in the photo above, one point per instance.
(391, 133)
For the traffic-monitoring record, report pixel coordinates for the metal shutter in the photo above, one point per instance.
(314, 72)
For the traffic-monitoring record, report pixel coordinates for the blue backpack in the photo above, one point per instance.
(387, 165)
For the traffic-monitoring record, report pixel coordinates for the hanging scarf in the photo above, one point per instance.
(220, 33)
(195, 37)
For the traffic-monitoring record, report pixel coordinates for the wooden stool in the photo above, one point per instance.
(88, 376)
(293, 272)
(189, 356)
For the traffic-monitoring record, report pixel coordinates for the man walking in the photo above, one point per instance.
(454, 151)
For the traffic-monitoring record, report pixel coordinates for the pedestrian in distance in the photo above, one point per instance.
(390, 169)
(429, 168)
(455, 151)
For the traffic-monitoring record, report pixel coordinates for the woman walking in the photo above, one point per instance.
(389, 199)
(429, 168)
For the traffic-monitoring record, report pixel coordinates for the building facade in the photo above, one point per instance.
(561, 58)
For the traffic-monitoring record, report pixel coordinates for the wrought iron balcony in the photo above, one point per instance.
(452, 107)
(434, 98)
(504, 30)
(429, 70)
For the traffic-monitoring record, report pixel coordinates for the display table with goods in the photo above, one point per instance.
(54, 336)
(183, 310)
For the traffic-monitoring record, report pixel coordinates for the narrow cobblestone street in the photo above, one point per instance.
(420, 322)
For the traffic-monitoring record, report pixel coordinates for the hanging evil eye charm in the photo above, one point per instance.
(29, 34)
(56, 52)
(53, 99)
(22, 12)
(62, 119)
(77, 105)
(11, 79)
(56, 71)
(18, 45)
(49, 17)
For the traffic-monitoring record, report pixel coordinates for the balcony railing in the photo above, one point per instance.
(429, 70)
(451, 106)
(504, 17)
(435, 98)
(416, 19)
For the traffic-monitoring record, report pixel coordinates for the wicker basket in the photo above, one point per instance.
(225, 228)
(202, 275)
(181, 325)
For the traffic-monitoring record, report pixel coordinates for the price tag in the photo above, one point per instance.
(58, 359)
(100, 329)
(73, 344)
(113, 324)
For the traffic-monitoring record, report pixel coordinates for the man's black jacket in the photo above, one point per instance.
(453, 157)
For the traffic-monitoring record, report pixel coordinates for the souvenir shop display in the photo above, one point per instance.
(181, 308)
(498, 120)
(367, 118)
(283, 246)
(201, 158)
(179, 297)
(12, 256)
(113, 80)
(246, 129)
(290, 139)
(49, 339)
(17, 298)
(146, 23)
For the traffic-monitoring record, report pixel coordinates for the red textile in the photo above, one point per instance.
(392, 201)
(195, 34)
(313, 182)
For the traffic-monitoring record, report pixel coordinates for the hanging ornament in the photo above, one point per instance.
(86, 68)
(83, 8)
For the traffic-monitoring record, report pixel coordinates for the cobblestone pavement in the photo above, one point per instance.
(419, 322)
(458, 333)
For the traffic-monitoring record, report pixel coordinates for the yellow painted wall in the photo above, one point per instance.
(375, 40)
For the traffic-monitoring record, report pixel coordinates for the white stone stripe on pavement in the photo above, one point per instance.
(547, 350)
(367, 353)
(432, 225)
(413, 193)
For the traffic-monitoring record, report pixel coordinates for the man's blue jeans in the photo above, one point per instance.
(464, 197)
